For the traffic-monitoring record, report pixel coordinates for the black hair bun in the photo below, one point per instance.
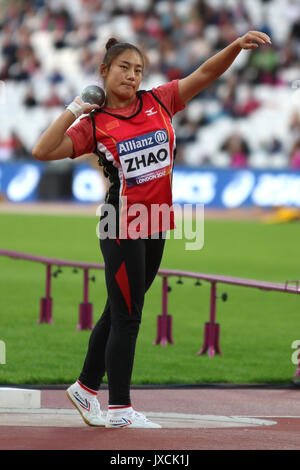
(111, 42)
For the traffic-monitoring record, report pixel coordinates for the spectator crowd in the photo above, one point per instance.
(250, 117)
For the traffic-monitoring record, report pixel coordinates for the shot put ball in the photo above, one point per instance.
(93, 94)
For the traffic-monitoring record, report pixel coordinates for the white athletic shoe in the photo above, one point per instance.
(131, 419)
(87, 404)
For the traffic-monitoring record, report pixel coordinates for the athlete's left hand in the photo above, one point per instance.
(252, 39)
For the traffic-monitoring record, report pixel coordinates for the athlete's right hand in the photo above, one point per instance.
(86, 107)
(79, 107)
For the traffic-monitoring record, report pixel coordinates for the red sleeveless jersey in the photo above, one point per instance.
(137, 153)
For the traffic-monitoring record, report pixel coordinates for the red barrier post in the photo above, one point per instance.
(46, 302)
(164, 321)
(85, 308)
(211, 329)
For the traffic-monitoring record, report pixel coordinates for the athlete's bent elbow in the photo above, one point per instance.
(37, 155)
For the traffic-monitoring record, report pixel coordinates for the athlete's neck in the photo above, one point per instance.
(115, 102)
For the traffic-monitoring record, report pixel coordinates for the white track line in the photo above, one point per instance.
(70, 418)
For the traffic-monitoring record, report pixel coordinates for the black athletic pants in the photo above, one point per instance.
(130, 268)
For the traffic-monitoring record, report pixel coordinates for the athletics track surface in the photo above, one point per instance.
(192, 419)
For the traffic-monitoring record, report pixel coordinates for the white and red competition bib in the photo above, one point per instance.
(137, 153)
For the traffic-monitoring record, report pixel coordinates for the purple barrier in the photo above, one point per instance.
(85, 308)
(164, 321)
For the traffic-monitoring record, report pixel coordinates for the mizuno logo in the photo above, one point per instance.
(150, 112)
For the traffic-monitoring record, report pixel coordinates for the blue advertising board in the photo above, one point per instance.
(215, 188)
(227, 188)
(19, 181)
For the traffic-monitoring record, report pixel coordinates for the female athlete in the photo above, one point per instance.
(132, 135)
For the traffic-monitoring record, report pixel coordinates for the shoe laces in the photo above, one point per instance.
(140, 416)
(95, 407)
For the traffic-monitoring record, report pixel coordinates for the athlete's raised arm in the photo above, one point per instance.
(216, 65)
(54, 143)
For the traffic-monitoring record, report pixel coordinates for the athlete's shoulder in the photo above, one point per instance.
(155, 97)
(168, 95)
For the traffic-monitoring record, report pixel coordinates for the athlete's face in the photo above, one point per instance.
(123, 78)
